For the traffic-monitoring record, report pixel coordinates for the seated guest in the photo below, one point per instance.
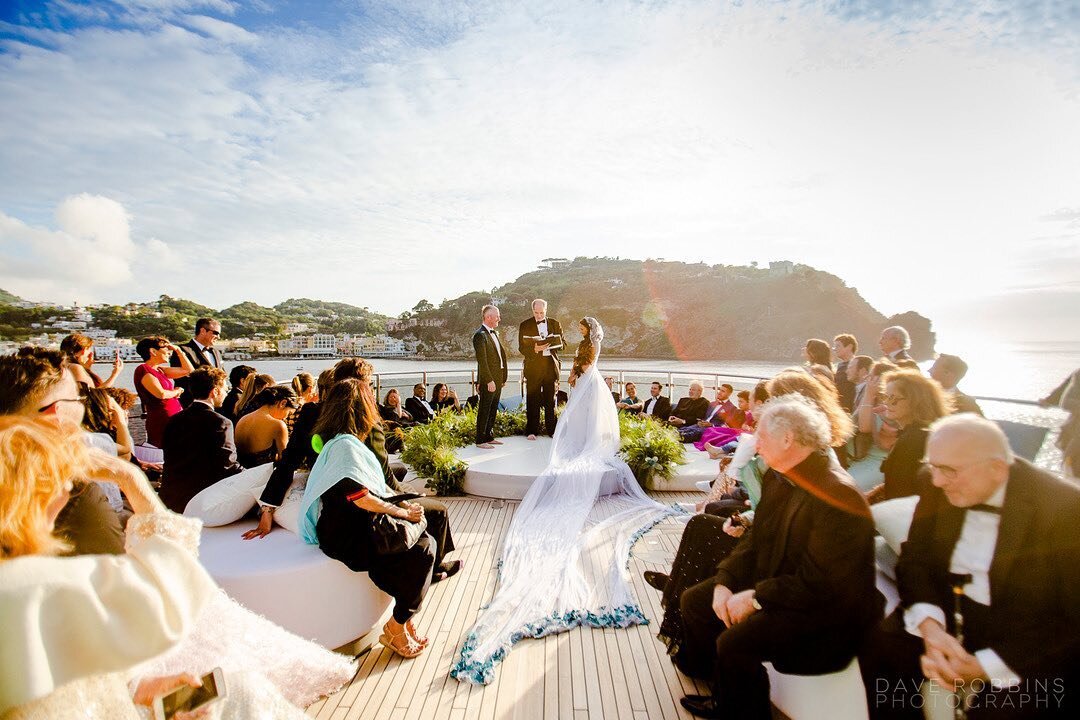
(345, 488)
(237, 376)
(630, 403)
(561, 398)
(874, 438)
(610, 382)
(261, 434)
(798, 590)
(993, 540)
(249, 389)
(154, 383)
(716, 416)
(443, 396)
(895, 342)
(818, 352)
(949, 370)
(845, 347)
(78, 350)
(35, 383)
(305, 388)
(689, 410)
(719, 440)
(199, 448)
(657, 405)
(418, 406)
(912, 402)
(106, 419)
(393, 414)
(474, 400)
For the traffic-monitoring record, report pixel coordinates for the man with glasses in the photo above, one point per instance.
(992, 555)
(200, 351)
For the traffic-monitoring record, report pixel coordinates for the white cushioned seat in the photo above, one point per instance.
(809, 697)
(292, 584)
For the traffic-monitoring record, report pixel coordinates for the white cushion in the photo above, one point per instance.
(288, 513)
(226, 501)
(810, 697)
(893, 519)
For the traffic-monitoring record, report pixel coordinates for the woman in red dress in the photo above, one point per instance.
(154, 383)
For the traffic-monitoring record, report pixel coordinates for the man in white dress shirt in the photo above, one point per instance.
(996, 543)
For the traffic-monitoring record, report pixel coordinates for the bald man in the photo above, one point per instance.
(995, 539)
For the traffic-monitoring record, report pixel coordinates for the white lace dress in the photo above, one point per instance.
(79, 632)
(564, 560)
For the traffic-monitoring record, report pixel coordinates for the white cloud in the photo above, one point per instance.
(449, 146)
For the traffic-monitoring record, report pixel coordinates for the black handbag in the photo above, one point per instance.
(392, 535)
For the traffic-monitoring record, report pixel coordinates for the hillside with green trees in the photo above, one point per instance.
(656, 309)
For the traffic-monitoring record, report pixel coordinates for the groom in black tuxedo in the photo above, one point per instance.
(491, 374)
(541, 368)
(201, 352)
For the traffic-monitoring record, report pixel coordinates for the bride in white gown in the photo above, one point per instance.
(564, 560)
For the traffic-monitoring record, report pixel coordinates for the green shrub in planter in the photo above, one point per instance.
(448, 472)
(459, 429)
(650, 448)
(509, 422)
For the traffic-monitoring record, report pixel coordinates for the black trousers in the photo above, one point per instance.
(892, 675)
(438, 524)
(540, 394)
(485, 413)
(731, 658)
(405, 576)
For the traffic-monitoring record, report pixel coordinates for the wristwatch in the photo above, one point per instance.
(755, 603)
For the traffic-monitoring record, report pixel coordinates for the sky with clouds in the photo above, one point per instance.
(378, 153)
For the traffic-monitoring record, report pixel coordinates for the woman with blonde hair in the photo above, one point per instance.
(129, 609)
(251, 386)
(305, 388)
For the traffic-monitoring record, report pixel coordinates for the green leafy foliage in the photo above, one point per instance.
(650, 448)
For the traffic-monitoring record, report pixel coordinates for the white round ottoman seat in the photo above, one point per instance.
(292, 584)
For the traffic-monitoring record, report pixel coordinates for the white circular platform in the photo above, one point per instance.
(508, 470)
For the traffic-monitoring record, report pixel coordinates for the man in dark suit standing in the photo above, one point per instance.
(201, 352)
(198, 447)
(541, 368)
(798, 589)
(845, 347)
(491, 374)
(995, 540)
(657, 405)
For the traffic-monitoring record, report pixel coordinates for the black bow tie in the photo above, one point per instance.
(983, 507)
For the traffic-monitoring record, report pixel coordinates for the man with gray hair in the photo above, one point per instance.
(539, 340)
(895, 343)
(993, 542)
(798, 590)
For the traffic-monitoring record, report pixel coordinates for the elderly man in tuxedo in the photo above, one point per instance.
(798, 590)
(895, 343)
(995, 544)
(540, 367)
(200, 351)
(491, 374)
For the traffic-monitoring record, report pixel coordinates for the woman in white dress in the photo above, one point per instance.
(566, 551)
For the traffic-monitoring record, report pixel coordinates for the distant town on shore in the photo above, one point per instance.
(649, 309)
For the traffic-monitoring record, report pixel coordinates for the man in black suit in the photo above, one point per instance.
(798, 589)
(689, 410)
(541, 368)
(845, 347)
(201, 352)
(895, 342)
(995, 538)
(418, 406)
(198, 447)
(948, 371)
(657, 405)
(491, 374)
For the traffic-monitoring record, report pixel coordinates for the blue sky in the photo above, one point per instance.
(377, 153)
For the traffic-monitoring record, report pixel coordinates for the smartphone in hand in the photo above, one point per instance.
(186, 698)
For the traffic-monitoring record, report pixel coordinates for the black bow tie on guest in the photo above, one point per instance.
(983, 507)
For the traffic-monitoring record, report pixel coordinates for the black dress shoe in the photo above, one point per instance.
(655, 579)
(704, 706)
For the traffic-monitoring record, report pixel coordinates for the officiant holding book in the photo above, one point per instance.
(539, 340)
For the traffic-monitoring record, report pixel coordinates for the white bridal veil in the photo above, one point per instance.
(564, 560)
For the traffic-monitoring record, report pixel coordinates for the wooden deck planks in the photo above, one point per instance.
(585, 674)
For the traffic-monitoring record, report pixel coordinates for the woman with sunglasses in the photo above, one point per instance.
(154, 383)
(912, 402)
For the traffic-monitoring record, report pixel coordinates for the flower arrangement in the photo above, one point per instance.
(650, 448)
